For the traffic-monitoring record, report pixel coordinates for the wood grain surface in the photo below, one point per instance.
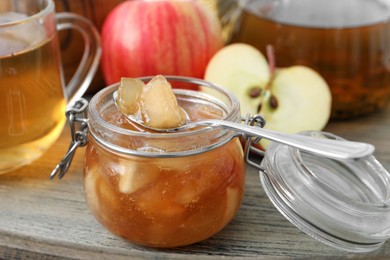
(49, 219)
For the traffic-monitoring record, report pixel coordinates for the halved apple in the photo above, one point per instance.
(291, 99)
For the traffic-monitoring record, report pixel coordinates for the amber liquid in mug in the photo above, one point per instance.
(32, 102)
(354, 59)
(164, 202)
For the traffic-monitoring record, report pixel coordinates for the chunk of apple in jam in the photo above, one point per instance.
(135, 176)
(154, 104)
(101, 196)
(233, 201)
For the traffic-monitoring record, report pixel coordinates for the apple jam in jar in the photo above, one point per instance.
(164, 189)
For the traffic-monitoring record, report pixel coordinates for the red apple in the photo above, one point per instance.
(145, 38)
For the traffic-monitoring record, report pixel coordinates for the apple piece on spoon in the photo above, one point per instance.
(153, 105)
(159, 105)
(129, 92)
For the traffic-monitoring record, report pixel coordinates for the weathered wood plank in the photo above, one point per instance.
(47, 219)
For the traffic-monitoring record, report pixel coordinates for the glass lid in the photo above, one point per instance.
(344, 204)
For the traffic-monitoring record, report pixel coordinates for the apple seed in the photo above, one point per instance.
(273, 102)
(259, 107)
(254, 92)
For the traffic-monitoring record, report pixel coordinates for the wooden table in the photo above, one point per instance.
(47, 219)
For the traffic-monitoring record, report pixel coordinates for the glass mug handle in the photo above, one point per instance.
(89, 63)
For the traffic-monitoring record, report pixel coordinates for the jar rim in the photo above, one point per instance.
(233, 110)
(185, 143)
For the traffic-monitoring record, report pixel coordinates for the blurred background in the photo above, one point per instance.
(97, 10)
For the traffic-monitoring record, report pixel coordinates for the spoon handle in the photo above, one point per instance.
(335, 149)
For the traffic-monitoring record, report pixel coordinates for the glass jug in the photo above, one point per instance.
(347, 42)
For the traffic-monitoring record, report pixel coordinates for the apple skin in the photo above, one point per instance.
(147, 38)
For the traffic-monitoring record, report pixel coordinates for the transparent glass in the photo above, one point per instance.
(164, 189)
(345, 204)
(347, 42)
(33, 94)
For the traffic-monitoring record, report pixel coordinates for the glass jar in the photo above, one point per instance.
(163, 190)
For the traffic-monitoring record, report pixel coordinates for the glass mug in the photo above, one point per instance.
(347, 42)
(71, 41)
(33, 95)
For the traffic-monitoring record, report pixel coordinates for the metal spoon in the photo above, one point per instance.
(336, 149)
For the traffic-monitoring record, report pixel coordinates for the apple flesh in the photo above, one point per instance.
(159, 105)
(146, 38)
(302, 101)
(129, 92)
(243, 70)
(290, 99)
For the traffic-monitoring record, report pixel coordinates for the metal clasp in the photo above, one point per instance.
(256, 120)
(76, 114)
